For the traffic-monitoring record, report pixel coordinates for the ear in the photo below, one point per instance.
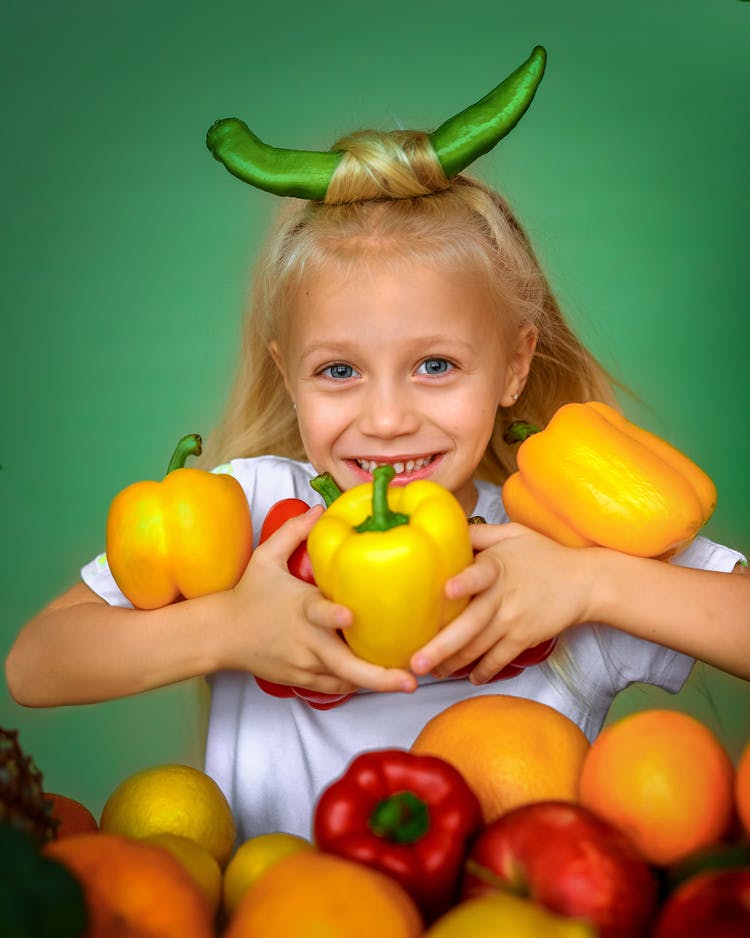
(275, 352)
(519, 363)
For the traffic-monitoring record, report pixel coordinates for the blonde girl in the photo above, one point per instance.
(403, 319)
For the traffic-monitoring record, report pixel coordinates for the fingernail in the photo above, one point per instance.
(420, 664)
(408, 687)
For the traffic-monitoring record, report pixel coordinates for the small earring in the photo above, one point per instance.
(515, 396)
(294, 406)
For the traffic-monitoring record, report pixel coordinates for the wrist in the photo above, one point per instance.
(602, 596)
(213, 631)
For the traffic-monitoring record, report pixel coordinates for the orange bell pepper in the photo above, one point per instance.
(591, 477)
(186, 536)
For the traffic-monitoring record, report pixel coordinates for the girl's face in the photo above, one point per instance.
(406, 367)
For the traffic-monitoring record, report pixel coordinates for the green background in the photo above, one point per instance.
(127, 252)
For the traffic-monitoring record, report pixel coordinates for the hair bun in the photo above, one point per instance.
(396, 164)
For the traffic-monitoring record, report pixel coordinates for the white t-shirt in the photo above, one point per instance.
(272, 757)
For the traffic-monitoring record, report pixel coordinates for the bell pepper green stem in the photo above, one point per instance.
(190, 445)
(402, 818)
(519, 430)
(382, 518)
(457, 142)
(325, 485)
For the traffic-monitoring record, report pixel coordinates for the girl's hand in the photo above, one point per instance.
(284, 630)
(526, 589)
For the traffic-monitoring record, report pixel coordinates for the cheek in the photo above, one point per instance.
(318, 425)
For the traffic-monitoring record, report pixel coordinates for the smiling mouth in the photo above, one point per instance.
(409, 465)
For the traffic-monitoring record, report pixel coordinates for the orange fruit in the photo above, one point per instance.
(316, 894)
(252, 858)
(742, 788)
(664, 779)
(172, 799)
(74, 817)
(133, 888)
(509, 749)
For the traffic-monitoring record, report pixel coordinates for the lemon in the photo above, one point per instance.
(201, 864)
(172, 799)
(253, 858)
(503, 915)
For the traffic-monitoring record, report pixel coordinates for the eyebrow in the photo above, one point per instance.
(342, 346)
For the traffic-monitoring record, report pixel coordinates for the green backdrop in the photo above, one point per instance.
(127, 252)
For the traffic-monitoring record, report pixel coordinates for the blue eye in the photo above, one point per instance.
(339, 371)
(435, 366)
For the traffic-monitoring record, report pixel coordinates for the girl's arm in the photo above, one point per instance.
(527, 588)
(701, 613)
(79, 649)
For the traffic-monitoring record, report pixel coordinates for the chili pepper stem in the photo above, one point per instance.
(401, 818)
(190, 445)
(519, 430)
(382, 518)
(325, 485)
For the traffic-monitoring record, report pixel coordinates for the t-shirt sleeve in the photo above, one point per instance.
(98, 577)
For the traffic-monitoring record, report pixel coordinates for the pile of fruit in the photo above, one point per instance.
(501, 820)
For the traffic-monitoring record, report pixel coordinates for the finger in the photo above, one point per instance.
(342, 662)
(326, 684)
(282, 543)
(486, 535)
(474, 579)
(326, 615)
(494, 661)
(456, 636)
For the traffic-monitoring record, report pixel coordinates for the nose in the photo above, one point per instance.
(388, 412)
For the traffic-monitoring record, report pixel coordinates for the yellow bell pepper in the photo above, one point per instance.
(386, 554)
(186, 536)
(591, 477)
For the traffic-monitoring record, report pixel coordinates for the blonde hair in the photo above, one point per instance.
(390, 202)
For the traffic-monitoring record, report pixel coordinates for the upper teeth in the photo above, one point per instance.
(369, 465)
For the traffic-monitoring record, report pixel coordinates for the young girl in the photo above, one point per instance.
(402, 320)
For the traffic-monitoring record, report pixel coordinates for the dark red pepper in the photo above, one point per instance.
(299, 565)
(406, 814)
(534, 655)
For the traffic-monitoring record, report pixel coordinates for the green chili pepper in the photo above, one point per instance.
(457, 142)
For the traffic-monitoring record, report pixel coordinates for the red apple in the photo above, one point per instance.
(714, 904)
(564, 857)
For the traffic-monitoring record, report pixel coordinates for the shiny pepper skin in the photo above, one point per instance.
(409, 815)
(386, 553)
(591, 477)
(186, 536)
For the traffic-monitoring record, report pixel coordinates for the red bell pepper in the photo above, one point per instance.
(534, 655)
(299, 566)
(406, 814)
